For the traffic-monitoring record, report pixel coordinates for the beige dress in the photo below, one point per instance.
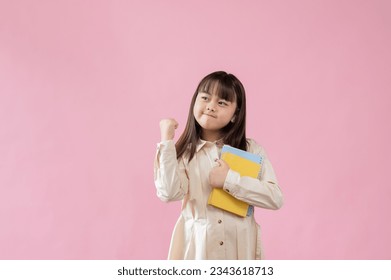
(203, 231)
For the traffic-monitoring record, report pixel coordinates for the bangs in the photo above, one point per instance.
(222, 88)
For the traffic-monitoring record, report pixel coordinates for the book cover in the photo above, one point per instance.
(246, 164)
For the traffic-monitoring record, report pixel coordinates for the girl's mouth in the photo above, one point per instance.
(210, 115)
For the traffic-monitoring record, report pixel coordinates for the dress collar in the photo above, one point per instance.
(201, 143)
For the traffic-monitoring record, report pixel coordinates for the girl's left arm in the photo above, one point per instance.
(263, 192)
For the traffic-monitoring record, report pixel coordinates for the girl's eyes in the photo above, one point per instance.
(220, 102)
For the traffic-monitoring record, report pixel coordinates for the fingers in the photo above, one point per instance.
(169, 123)
(220, 162)
(218, 174)
(167, 128)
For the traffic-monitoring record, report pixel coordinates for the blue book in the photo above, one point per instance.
(246, 164)
(241, 153)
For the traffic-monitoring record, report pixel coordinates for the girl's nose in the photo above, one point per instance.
(211, 107)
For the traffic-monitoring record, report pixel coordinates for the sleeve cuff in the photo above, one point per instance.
(231, 182)
(164, 145)
(165, 152)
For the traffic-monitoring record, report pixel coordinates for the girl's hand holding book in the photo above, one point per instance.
(218, 174)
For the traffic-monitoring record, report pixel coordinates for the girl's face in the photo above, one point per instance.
(212, 113)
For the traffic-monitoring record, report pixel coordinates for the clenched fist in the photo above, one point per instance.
(167, 129)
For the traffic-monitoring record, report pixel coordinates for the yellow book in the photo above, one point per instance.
(246, 164)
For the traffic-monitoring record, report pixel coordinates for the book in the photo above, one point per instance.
(246, 164)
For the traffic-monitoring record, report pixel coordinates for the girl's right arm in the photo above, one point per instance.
(170, 175)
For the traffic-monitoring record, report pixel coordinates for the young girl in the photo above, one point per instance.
(188, 169)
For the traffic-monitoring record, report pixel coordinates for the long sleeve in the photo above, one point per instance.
(263, 192)
(170, 176)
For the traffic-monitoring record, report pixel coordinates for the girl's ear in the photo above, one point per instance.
(233, 119)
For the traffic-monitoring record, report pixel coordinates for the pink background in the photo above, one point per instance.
(83, 85)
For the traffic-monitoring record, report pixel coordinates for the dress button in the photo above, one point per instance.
(219, 221)
(221, 242)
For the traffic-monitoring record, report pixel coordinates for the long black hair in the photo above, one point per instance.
(227, 87)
